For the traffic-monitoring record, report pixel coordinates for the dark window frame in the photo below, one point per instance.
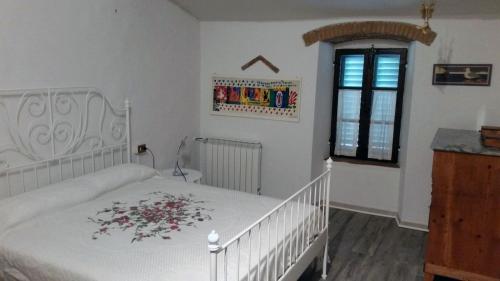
(366, 103)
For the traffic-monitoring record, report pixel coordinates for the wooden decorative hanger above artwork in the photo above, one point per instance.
(264, 61)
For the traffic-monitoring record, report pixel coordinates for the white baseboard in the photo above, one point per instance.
(380, 213)
(363, 210)
(411, 225)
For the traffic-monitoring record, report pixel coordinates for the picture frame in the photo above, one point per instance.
(462, 74)
(263, 98)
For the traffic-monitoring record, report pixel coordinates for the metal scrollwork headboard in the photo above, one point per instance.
(48, 131)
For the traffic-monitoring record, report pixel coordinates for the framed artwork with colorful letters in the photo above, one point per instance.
(259, 98)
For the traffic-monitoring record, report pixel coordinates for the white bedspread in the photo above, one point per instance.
(63, 244)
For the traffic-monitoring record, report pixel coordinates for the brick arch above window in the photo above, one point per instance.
(349, 31)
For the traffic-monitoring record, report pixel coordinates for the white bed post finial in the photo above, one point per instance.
(127, 117)
(329, 166)
(213, 247)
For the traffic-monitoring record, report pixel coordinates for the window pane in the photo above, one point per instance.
(349, 103)
(352, 71)
(386, 71)
(382, 125)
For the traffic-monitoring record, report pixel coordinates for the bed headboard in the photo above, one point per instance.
(49, 135)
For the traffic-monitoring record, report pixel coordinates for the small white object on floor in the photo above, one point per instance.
(193, 176)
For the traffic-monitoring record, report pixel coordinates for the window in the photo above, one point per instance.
(367, 104)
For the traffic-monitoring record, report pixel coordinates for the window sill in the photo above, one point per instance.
(365, 162)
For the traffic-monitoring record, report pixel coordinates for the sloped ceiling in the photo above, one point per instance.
(270, 10)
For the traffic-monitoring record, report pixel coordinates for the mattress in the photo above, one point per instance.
(150, 228)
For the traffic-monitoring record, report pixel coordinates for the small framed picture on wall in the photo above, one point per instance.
(462, 74)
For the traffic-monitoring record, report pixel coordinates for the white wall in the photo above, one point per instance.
(432, 107)
(147, 50)
(367, 187)
(322, 110)
(405, 123)
(225, 47)
(293, 150)
(370, 187)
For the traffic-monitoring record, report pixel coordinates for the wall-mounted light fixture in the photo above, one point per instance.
(427, 9)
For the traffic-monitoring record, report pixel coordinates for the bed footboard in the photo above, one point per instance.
(281, 244)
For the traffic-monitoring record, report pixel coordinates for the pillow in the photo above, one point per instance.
(114, 177)
(22, 207)
(25, 206)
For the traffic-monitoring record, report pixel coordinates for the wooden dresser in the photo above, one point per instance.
(464, 222)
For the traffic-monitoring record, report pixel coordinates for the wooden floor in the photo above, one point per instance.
(370, 248)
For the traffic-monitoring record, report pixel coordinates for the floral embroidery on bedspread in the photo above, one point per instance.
(156, 216)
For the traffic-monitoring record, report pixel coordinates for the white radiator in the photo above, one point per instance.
(231, 164)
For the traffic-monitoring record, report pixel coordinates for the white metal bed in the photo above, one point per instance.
(303, 243)
(59, 134)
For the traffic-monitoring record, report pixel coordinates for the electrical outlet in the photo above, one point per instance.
(141, 148)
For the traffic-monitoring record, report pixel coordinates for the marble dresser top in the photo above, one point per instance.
(464, 141)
